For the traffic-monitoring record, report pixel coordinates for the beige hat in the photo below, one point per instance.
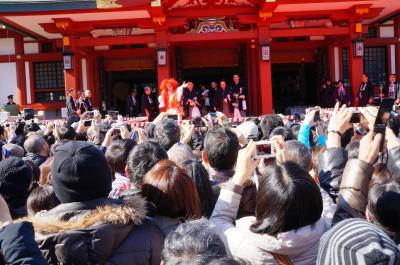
(248, 129)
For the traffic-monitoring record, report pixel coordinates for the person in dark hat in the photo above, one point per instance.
(132, 104)
(87, 227)
(15, 183)
(76, 178)
(10, 100)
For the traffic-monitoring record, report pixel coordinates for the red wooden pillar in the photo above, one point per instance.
(331, 63)
(72, 76)
(162, 43)
(397, 36)
(253, 76)
(264, 73)
(356, 64)
(20, 69)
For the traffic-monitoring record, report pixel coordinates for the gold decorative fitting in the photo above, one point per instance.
(213, 24)
(107, 4)
(360, 11)
(62, 25)
(265, 14)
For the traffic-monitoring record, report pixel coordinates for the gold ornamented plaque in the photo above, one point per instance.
(107, 4)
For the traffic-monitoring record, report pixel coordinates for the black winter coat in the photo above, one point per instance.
(18, 245)
(101, 231)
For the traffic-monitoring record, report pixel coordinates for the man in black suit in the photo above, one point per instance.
(71, 106)
(365, 91)
(239, 91)
(392, 89)
(132, 104)
(212, 91)
(147, 104)
(88, 102)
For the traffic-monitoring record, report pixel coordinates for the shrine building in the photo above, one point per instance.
(281, 49)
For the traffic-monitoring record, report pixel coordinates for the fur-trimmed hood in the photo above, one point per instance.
(130, 212)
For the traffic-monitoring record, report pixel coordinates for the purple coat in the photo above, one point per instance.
(343, 96)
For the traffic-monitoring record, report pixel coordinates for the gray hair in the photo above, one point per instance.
(298, 152)
(34, 144)
(180, 152)
(167, 133)
(194, 243)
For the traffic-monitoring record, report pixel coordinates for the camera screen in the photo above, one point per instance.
(90, 114)
(355, 117)
(117, 131)
(263, 149)
(173, 116)
(87, 123)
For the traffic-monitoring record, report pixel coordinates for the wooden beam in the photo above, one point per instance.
(101, 41)
(37, 57)
(295, 2)
(240, 35)
(299, 32)
(206, 12)
(22, 30)
(300, 45)
(380, 41)
(123, 54)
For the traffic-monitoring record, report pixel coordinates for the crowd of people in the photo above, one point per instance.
(330, 93)
(185, 100)
(190, 102)
(101, 190)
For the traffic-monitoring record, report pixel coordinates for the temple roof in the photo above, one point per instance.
(39, 18)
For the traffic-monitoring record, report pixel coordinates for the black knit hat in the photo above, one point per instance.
(15, 180)
(80, 172)
(356, 241)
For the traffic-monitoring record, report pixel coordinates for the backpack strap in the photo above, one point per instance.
(281, 259)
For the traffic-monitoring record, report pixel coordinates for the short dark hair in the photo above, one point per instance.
(295, 130)
(269, 123)
(195, 242)
(66, 132)
(287, 199)
(199, 175)
(383, 204)
(286, 133)
(142, 158)
(353, 149)
(167, 133)
(299, 153)
(41, 198)
(117, 154)
(19, 128)
(31, 127)
(366, 75)
(171, 192)
(221, 147)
